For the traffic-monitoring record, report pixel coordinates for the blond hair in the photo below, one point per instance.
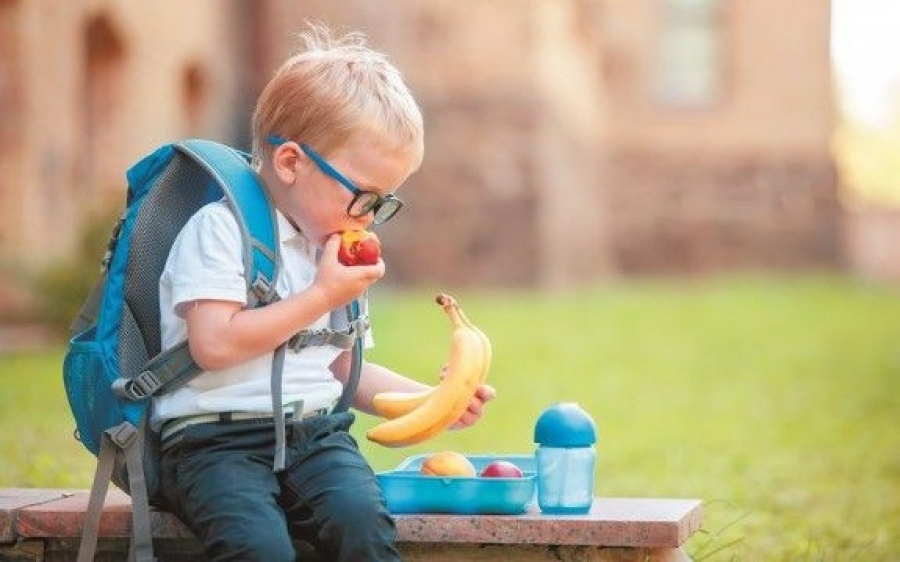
(334, 89)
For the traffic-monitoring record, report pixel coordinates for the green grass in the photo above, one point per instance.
(776, 401)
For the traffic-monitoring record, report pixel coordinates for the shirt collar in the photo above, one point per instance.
(287, 232)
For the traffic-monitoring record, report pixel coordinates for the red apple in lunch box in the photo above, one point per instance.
(359, 247)
(502, 469)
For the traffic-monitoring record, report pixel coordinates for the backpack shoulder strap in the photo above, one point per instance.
(252, 208)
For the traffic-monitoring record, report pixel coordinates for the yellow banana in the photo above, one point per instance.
(444, 406)
(392, 405)
(485, 342)
(432, 411)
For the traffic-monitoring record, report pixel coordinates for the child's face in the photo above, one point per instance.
(319, 203)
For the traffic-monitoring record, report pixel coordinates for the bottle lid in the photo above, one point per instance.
(565, 424)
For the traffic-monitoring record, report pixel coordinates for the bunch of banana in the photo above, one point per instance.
(392, 405)
(413, 417)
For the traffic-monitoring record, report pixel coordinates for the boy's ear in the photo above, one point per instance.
(285, 161)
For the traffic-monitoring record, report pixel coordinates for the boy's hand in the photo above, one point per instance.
(340, 283)
(473, 413)
(483, 394)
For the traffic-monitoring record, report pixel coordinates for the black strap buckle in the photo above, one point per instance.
(123, 435)
(138, 388)
(341, 339)
(263, 291)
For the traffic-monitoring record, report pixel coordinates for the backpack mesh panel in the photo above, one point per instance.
(182, 189)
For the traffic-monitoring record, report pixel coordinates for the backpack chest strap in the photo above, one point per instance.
(175, 366)
(342, 339)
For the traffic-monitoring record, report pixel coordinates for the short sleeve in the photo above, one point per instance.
(205, 259)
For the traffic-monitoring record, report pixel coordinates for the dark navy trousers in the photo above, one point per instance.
(219, 481)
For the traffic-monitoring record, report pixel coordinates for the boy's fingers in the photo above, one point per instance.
(486, 393)
(332, 244)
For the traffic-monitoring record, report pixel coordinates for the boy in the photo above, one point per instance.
(335, 133)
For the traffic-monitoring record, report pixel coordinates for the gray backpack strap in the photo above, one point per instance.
(354, 312)
(141, 549)
(102, 475)
(124, 437)
(163, 373)
(278, 408)
(357, 326)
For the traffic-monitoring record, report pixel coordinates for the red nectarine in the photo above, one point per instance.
(502, 469)
(359, 247)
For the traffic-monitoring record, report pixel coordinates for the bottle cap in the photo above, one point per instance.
(565, 424)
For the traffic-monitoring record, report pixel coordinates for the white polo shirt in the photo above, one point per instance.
(205, 263)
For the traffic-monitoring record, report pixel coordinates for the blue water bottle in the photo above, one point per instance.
(565, 459)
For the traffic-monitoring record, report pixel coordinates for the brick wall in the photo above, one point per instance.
(694, 214)
(549, 159)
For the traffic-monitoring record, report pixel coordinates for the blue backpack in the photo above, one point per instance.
(114, 363)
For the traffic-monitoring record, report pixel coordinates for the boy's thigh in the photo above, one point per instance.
(329, 480)
(226, 495)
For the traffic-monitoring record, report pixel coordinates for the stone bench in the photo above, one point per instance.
(45, 525)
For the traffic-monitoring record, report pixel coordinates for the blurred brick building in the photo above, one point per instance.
(567, 140)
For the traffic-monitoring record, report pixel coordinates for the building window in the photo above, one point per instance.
(688, 70)
(103, 99)
(193, 99)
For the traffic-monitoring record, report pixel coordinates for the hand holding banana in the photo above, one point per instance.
(413, 417)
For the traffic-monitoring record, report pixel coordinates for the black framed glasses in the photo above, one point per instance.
(364, 202)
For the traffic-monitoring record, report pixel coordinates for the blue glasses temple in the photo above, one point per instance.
(323, 165)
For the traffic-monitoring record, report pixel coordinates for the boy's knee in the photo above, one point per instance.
(359, 512)
(361, 527)
(256, 544)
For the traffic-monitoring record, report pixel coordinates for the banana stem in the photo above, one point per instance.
(451, 307)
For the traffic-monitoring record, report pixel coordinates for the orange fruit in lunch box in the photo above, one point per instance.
(447, 463)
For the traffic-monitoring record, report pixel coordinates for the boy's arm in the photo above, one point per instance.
(376, 378)
(222, 334)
